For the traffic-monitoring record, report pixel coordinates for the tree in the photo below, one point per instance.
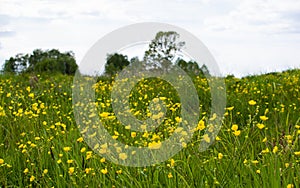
(163, 50)
(51, 61)
(16, 64)
(115, 63)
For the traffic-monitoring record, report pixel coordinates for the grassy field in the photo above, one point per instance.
(258, 145)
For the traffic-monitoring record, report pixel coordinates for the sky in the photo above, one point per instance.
(244, 36)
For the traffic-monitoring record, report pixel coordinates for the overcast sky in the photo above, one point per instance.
(245, 36)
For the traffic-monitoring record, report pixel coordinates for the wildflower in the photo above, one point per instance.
(31, 95)
(26, 171)
(254, 162)
(252, 102)
(172, 162)
(104, 114)
(104, 171)
(1, 161)
(80, 139)
(133, 134)
(119, 171)
(123, 156)
(178, 119)
(237, 133)
(154, 145)
(286, 165)
(206, 138)
(32, 178)
(290, 186)
(170, 175)
(71, 170)
(264, 140)
(88, 170)
(263, 118)
(45, 171)
(102, 160)
(59, 161)
(230, 108)
(234, 127)
(89, 155)
(260, 125)
(220, 156)
(258, 171)
(265, 150)
(66, 149)
(82, 150)
(69, 161)
(297, 153)
(275, 149)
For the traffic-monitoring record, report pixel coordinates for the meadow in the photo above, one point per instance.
(257, 146)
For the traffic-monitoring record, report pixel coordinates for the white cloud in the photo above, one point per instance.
(247, 36)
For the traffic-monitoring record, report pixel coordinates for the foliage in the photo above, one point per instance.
(163, 50)
(115, 63)
(50, 61)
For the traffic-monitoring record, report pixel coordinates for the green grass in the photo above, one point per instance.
(37, 126)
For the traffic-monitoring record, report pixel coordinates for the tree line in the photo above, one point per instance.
(163, 52)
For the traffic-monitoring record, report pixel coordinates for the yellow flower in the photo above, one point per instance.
(83, 150)
(264, 140)
(263, 118)
(220, 155)
(31, 95)
(265, 150)
(67, 149)
(206, 138)
(1, 161)
(260, 125)
(133, 134)
(80, 139)
(275, 149)
(104, 171)
(119, 171)
(154, 145)
(58, 161)
(254, 162)
(290, 186)
(178, 119)
(45, 171)
(88, 170)
(234, 127)
(71, 170)
(237, 133)
(252, 102)
(170, 175)
(104, 114)
(258, 171)
(287, 165)
(26, 171)
(230, 108)
(102, 160)
(123, 156)
(297, 153)
(32, 178)
(69, 161)
(172, 162)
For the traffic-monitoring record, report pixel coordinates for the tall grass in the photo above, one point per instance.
(258, 145)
